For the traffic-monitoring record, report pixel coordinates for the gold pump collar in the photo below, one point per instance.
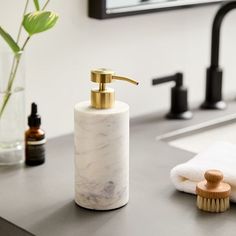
(103, 97)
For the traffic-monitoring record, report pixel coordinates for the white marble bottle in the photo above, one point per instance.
(101, 135)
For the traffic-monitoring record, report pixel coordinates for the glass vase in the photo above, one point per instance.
(12, 108)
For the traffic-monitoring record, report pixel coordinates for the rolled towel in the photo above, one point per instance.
(220, 156)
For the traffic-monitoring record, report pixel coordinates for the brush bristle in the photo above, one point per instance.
(213, 205)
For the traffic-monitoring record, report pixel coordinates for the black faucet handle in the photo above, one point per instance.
(179, 97)
(177, 78)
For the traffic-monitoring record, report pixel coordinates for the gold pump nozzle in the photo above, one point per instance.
(103, 97)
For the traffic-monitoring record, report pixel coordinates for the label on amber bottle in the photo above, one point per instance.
(39, 142)
(35, 150)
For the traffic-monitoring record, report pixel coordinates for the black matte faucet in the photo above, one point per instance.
(179, 97)
(213, 99)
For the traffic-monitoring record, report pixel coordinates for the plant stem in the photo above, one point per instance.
(21, 25)
(8, 92)
(45, 5)
(17, 58)
(16, 62)
(25, 43)
(12, 78)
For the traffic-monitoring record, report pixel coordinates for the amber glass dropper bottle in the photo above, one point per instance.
(34, 139)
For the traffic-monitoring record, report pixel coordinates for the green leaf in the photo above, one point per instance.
(36, 4)
(39, 21)
(9, 40)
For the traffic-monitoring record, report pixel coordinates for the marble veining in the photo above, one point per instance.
(101, 156)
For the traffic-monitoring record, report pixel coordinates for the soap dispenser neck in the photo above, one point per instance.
(102, 87)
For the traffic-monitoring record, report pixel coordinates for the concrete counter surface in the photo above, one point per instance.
(41, 199)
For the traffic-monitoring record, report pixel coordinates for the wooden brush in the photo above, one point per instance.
(212, 193)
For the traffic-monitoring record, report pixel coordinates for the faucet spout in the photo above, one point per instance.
(213, 96)
(223, 11)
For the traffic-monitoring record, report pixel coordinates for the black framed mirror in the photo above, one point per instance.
(103, 9)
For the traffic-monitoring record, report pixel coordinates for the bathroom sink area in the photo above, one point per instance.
(198, 137)
(150, 165)
(111, 159)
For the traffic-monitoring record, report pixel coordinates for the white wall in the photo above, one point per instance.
(142, 47)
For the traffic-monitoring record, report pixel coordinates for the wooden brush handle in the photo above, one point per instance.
(214, 178)
(213, 187)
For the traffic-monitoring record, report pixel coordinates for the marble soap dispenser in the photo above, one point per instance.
(101, 135)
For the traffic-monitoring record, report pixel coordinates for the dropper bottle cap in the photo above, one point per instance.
(34, 119)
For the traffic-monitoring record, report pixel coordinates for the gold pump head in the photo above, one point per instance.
(103, 98)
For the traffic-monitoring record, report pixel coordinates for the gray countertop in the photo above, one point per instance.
(40, 199)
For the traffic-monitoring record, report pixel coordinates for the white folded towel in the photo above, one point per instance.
(220, 156)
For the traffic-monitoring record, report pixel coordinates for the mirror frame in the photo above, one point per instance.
(97, 9)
